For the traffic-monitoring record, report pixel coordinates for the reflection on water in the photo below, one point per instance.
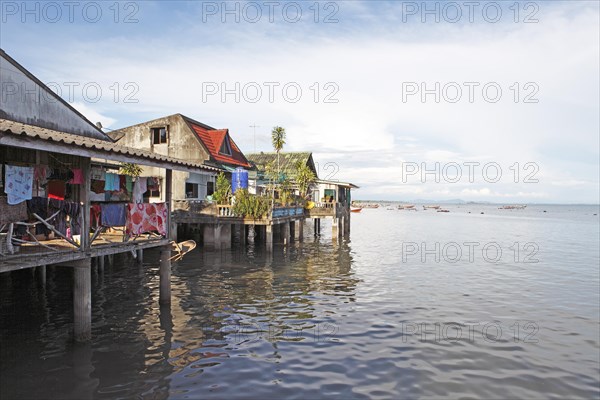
(358, 318)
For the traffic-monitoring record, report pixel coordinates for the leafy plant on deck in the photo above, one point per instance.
(250, 206)
(222, 189)
(304, 178)
(130, 169)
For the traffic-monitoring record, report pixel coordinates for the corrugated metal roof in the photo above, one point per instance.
(24, 131)
(287, 161)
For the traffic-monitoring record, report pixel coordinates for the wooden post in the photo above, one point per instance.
(42, 273)
(293, 230)
(168, 200)
(165, 275)
(140, 256)
(335, 228)
(100, 262)
(84, 198)
(82, 300)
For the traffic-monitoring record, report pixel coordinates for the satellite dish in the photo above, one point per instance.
(99, 124)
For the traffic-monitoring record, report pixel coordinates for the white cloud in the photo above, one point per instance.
(371, 128)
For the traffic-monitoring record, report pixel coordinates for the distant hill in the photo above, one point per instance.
(423, 201)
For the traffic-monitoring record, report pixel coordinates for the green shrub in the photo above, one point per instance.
(222, 189)
(250, 206)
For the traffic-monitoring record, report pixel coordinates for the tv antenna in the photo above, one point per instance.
(254, 127)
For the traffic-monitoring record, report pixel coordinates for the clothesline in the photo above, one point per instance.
(20, 182)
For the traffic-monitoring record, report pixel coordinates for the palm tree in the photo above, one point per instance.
(278, 140)
(304, 178)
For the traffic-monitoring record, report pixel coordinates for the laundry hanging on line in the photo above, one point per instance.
(19, 184)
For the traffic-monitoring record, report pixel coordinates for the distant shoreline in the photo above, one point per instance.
(461, 202)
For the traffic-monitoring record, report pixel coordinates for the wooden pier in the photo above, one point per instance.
(24, 145)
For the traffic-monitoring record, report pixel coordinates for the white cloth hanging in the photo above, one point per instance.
(19, 184)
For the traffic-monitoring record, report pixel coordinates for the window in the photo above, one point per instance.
(210, 188)
(225, 146)
(329, 195)
(159, 135)
(191, 190)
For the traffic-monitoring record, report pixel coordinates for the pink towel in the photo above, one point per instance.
(77, 177)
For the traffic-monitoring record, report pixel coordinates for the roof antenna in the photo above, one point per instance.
(255, 126)
(99, 125)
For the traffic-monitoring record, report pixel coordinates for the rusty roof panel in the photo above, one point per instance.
(35, 132)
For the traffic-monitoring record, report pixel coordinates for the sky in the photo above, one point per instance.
(479, 101)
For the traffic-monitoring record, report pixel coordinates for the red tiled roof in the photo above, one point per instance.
(213, 139)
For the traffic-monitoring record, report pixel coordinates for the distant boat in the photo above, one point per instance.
(443, 211)
(406, 207)
(431, 207)
(355, 209)
(512, 207)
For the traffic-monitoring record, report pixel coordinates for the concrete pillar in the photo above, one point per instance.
(269, 237)
(217, 235)
(225, 241)
(285, 233)
(292, 227)
(139, 256)
(209, 234)
(100, 263)
(242, 232)
(251, 234)
(165, 275)
(82, 300)
(299, 229)
(335, 228)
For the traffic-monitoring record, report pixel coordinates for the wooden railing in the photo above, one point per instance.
(226, 210)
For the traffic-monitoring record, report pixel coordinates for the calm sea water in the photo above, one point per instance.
(503, 304)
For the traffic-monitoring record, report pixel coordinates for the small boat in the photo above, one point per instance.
(431, 207)
(512, 207)
(443, 210)
(181, 249)
(355, 209)
(406, 207)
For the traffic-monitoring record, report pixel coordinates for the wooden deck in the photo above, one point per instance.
(62, 252)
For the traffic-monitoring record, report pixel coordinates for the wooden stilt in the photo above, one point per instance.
(165, 275)
(42, 274)
(140, 256)
(82, 301)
